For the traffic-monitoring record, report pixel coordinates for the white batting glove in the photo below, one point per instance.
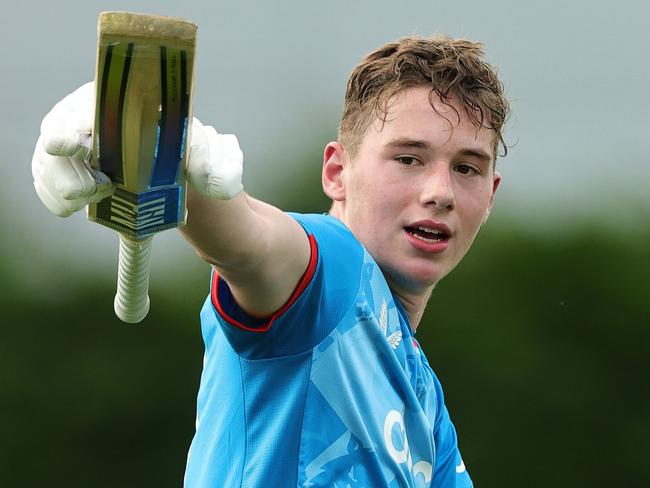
(65, 182)
(216, 162)
(63, 179)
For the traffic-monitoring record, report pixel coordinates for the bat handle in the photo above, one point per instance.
(132, 299)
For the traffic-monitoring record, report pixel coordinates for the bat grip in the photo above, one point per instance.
(132, 299)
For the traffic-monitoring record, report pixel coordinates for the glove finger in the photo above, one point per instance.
(199, 156)
(59, 207)
(197, 133)
(78, 146)
(68, 177)
(225, 179)
(198, 144)
(67, 127)
(37, 160)
(229, 147)
(43, 183)
(103, 186)
(216, 162)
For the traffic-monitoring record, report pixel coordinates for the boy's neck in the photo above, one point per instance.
(414, 303)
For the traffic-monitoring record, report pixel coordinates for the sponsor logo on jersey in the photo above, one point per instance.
(400, 451)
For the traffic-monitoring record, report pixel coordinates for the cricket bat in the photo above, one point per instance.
(143, 113)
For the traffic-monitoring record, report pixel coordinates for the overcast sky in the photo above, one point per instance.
(274, 72)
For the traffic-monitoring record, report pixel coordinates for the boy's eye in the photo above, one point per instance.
(466, 169)
(407, 160)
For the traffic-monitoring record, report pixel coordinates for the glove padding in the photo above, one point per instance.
(63, 179)
(216, 162)
(65, 182)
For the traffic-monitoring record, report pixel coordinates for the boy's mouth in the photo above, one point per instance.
(427, 234)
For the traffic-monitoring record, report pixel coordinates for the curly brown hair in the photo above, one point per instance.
(451, 67)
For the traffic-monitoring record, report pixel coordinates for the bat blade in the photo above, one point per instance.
(143, 109)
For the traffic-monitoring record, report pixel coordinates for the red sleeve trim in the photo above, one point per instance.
(302, 285)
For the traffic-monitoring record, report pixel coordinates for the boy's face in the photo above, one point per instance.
(416, 173)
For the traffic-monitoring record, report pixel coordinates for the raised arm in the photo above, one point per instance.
(257, 249)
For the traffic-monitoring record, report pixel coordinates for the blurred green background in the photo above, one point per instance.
(541, 344)
(541, 337)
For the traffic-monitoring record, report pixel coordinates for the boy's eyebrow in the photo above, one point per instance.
(404, 142)
(476, 153)
(420, 144)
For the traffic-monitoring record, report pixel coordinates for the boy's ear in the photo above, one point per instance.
(334, 160)
(495, 185)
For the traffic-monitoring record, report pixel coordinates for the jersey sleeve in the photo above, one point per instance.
(326, 290)
(450, 471)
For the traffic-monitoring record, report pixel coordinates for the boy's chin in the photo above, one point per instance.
(416, 281)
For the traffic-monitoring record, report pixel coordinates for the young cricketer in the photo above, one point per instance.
(312, 374)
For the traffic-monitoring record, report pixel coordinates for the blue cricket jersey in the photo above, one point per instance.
(333, 390)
